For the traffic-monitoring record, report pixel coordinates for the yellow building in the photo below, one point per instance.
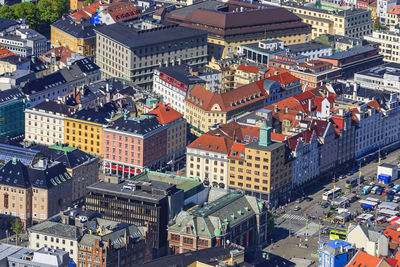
(260, 168)
(76, 4)
(204, 109)
(350, 22)
(84, 129)
(78, 36)
(393, 16)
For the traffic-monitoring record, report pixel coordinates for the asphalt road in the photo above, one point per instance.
(293, 222)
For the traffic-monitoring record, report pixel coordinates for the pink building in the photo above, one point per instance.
(132, 144)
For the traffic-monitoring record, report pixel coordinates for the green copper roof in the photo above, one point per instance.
(63, 148)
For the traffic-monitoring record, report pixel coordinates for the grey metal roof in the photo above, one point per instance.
(82, 30)
(132, 38)
(351, 52)
(10, 94)
(58, 229)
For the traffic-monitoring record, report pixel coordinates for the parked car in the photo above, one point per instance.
(296, 208)
(341, 177)
(324, 204)
(308, 199)
(391, 184)
(299, 200)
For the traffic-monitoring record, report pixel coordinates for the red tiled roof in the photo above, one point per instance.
(237, 132)
(293, 141)
(166, 114)
(4, 52)
(92, 8)
(80, 14)
(364, 259)
(278, 137)
(248, 68)
(63, 53)
(319, 126)
(237, 150)
(395, 10)
(284, 78)
(121, 11)
(275, 71)
(374, 104)
(227, 101)
(219, 144)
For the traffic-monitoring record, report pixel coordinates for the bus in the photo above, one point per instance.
(328, 195)
(354, 181)
(335, 234)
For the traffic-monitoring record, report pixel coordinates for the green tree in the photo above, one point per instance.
(398, 158)
(51, 10)
(17, 228)
(270, 221)
(10, 220)
(29, 12)
(88, 2)
(377, 25)
(7, 13)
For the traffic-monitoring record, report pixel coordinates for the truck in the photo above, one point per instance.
(373, 190)
(366, 190)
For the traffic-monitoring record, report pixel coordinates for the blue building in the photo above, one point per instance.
(12, 117)
(336, 253)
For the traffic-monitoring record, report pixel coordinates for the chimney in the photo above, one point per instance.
(276, 108)
(309, 104)
(265, 136)
(355, 88)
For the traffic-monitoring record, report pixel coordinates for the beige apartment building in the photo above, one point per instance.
(351, 22)
(34, 193)
(205, 109)
(44, 122)
(389, 44)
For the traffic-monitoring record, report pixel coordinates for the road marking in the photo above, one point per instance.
(294, 217)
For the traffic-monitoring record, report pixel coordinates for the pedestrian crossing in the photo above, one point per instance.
(294, 217)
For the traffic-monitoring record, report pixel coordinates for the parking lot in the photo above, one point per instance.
(308, 218)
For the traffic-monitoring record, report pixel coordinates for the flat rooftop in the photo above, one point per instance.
(147, 190)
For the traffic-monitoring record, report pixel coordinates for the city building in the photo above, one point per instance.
(388, 43)
(131, 144)
(328, 146)
(112, 243)
(139, 202)
(228, 24)
(312, 50)
(335, 253)
(176, 131)
(393, 17)
(354, 60)
(43, 257)
(354, 22)
(205, 109)
(172, 84)
(24, 41)
(145, 50)
(34, 193)
(44, 122)
(368, 239)
(92, 240)
(12, 105)
(304, 148)
(62, 82)
(368, 122)
(79, 36)
(207, 156)
(262, 168)
(383, 7)
(246, 73)
(383, 77)
(362, 258)
(81, 166)
(12, 63)
(84, 129)
(314, 73)
(235, 217)
(260, 52)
